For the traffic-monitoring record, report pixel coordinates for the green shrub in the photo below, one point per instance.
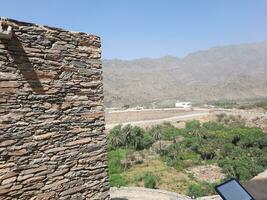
(207, 152)
(213, 126)
(126, 106)
(172, 152)
(149, 180)
(165, 131)
(138, 178)
(231, 120)
(227, 149)
(115, 167)
(262, 142)
(191, 142)
(169, 132)
(225, 104)
(195, 147)
(196, 190)
(189, 155)
(200, 189)
(116, 180)
(243, 168)
(262, 159)
(147, 141)
(114, 161)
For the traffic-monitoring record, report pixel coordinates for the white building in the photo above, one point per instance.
(183, 104)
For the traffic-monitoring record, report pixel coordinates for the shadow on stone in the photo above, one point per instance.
(22, 62)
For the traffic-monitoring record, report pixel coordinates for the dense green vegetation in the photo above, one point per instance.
(249, 104)
(225, 104)
(240, 151)
(262, 104)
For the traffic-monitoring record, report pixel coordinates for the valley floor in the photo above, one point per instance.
(147, 117)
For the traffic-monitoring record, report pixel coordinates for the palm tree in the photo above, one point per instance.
(157, 134)
(194, 128)
(115, 138)
(127, 133)
(137, 137)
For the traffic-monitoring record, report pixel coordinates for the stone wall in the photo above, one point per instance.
(52, 141)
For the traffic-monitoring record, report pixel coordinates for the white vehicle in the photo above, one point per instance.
(180, 104)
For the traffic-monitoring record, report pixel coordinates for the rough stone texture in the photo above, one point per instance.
(52, 141)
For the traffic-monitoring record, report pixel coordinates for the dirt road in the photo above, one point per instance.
(148, 117)
(151, 117)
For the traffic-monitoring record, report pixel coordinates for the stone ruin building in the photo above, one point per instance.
(52, 140)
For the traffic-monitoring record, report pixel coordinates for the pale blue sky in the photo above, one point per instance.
(150, 28)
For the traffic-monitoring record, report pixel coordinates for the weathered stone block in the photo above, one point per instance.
(34, 170)
(9, 180)
(20, 152)
(79, 142)
(8, 84)
(7, 143)
(24, 177)
(4, 76)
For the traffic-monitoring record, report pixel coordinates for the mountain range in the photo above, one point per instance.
(230, 72)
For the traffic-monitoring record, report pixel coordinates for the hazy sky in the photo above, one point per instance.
(150, 28)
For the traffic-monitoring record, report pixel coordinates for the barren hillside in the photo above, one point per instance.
(228, 72)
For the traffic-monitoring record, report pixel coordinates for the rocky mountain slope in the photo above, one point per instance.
(228, 72)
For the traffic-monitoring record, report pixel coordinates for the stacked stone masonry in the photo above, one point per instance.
(52, 140)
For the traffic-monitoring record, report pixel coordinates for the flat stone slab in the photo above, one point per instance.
(257, 186)
(139, 193)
